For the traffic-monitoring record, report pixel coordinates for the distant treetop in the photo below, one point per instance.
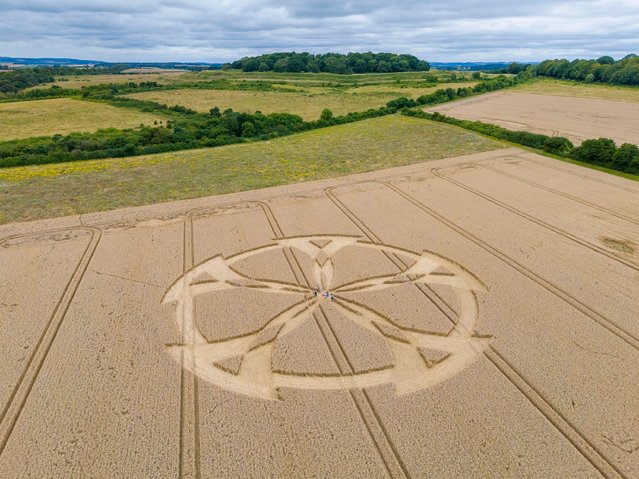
(331, 63)
(604, 70)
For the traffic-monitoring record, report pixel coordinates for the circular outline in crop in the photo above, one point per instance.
(253, 375)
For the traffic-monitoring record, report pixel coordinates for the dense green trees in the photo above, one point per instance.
(599, 151)
(604, 152)
(604, 70)
(14, 81)
(626, 158)
(331, 63)
(605, 60)
(17, 80)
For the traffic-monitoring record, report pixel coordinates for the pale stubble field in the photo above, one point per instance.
(576, 118)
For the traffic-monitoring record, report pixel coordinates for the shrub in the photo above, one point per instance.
(401, 102)
(626, 158)
(558, 145)
(598, 151)
(326, 114)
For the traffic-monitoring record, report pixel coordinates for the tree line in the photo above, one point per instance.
(189, 129)
(186, 129)
(15, 81)
(331, 63)
(447, 94)
(604, 70)
(599, 151)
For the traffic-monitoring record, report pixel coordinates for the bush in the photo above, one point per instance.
(599, 151)
(326, 114)
(626, 158)
(558, 145)
(401, 102)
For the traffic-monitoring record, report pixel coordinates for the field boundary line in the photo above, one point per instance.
(389, 456)
(363, 404)
(543, 224)
(189, 440)
(598, 180)
(604, 322)
(556, 192)
(23, 387)
(570, 432)
(563, 425)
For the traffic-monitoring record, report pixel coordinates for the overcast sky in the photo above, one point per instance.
(222, 30)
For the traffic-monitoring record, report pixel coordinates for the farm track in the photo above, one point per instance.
(556, 192)
(585, 177)
(385, 447)
(597, 249)
(20, 393)
(576, 438)
(609, 325)
(189, 449)
(189, 433)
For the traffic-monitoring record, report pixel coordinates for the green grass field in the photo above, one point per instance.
(548, 86)
(407, 89)
(33, 192)
(365, 78)
(169, 77)
(308, 103)
(78, 81)
(64, 115)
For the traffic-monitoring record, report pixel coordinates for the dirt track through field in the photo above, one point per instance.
(577, 119)
(483, 325)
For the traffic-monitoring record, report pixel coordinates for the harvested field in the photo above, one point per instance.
(578, 119)
(483, 324)
(64, 115)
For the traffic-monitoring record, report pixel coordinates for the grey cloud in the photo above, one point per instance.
(437, 30)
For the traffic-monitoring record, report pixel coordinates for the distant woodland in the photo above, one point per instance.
(331, 63)
(16, 80)
(602, 70)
